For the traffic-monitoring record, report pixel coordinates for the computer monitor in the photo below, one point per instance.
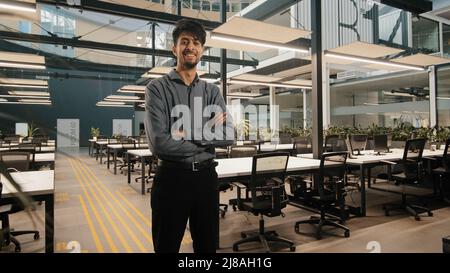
(359, 143)
(380, 143)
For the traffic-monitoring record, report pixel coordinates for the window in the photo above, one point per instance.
(446, 39)
(206, 5)
(425, 34)
(215, 6)
(244, 5)
(196, 4)
(443, 96)
(235, 7)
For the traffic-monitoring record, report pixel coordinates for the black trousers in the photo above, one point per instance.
(178, 195)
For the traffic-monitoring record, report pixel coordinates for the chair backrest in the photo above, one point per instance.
(285, 138)
(267, 182)
(334, 143)
(446, 156)
(15, 138)
(412, 158)
(243, 151)
(332, 170)
(301, 145)
(17, 160)
(128, 143)
(358, 142)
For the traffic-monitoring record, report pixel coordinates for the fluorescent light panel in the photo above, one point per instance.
(268, 84)
(29, 93)
(34, 100)
(372, 61)
(21, 65)
(23, 83)
(25, 97)
(117, 97)
(111, 102)
(247, 41)
(18, 6)
(138, 89)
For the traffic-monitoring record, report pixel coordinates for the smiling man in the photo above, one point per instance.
(185, 184)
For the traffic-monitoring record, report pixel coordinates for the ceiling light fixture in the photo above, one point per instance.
(21, 65)
(137, 89)
(372, 61)
(18, 6)
(23, 83)
(29, 93)
(247, 41)
(231, 81)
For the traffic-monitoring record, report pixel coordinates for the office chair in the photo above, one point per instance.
(443, 172)
(301, 145)
(408, 171)
(14, 162)
(268, 197)
(334, 143)
(235, 152)
(300, 185)
(328, 184)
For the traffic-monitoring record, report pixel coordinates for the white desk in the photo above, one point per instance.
(235, 168)
(143, 154)
(370, 159)
(275, 147)
(117, 147)
(44, 157)
(40, 185)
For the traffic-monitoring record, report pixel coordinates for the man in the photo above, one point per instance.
(185, 184)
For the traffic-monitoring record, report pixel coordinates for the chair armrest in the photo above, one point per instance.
(12, 170)
(239, 185)
(388, 162)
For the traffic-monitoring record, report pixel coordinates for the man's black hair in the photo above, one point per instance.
(190, 26)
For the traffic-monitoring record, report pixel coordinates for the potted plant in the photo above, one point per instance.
(442, 134)
(95, 132)
(32, 130)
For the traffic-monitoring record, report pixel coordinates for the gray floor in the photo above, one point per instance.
(96, 211)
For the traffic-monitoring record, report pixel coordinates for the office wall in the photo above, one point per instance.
(71, 98)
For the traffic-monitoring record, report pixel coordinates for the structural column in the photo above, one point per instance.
(316, 61)
(433, 96)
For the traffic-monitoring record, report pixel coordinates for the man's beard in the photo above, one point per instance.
(190, 65)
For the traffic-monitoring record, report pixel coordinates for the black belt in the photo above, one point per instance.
(194, 166)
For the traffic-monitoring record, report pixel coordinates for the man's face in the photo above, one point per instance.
(188, 50)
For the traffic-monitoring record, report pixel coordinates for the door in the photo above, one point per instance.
(68, 132)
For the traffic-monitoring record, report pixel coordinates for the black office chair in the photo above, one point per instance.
(443, 173)
(329, 183)
(235, 152)
(408, 171)
(301, 145)
(268, 197)
(334, 143)
(14, 162)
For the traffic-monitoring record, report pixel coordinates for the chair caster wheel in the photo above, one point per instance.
(417, 217)
(235, 248)
(17, 249)
(292, 248)
(222, 214)
(243, 235)
(347, 234)
(430, 214)
(234, 208)
(36, 236)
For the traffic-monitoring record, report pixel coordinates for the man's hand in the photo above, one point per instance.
(178, 134)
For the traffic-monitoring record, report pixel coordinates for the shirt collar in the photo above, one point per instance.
(173, 75)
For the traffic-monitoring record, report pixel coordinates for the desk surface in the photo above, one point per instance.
(120, 146)
(276, 147)
(369, 156)
(32, 183)
(235, 167)
(44, 157)
(140, 152)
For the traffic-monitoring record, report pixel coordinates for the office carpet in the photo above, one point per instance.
(97, 211)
